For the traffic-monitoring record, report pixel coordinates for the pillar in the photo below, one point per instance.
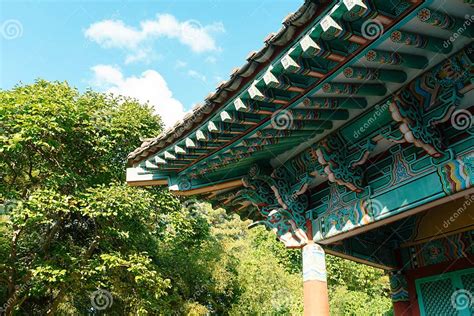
(399, 291)
(316, 300)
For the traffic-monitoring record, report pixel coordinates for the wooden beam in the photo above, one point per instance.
(395, 58)
(334, 103)
(211, 137)
(384, 75)
(225, 128)
(240, 118)
(210, 188)
(291, 63)
(274, 133)
(252, 142)
(394, 218)
(308, 125)
(244, 105)
(256, 93)
(310, 114)
(349, 89)
(446, 22)
(280, 81)
(359, 260)
(332, 30)
(147, 183)
(436, 45)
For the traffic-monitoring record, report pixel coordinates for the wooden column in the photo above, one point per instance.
(399, 291)
(402, 308)
(316, 300)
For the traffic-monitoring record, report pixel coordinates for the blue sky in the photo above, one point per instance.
(171, 53)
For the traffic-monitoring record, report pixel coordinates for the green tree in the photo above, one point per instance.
(68, 226)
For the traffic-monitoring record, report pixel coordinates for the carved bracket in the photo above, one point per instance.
(340, 165)
(281, 202)
(430, 100)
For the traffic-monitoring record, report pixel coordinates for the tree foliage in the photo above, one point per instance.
(70, 226)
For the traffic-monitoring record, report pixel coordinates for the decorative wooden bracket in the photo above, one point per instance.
(429, 100)
(281, 203)
(404, 108)
(340, 165)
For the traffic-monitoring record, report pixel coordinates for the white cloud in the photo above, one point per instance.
(115, 34)
(150, 87)
(191, 33)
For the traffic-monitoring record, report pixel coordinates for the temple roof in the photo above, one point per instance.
(331, 63)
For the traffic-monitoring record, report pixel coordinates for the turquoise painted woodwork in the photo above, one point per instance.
(440, 250)
(399, 149)
(399, 287)
(418, 170)
(399, 196)
(446, 294)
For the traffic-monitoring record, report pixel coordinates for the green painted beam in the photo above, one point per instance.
(310, 114)
(225, 128)
(169, 156)
(351, 10)
(247, 106)
(240, 117)
(334, 103)
(257, 92)
(365, 89)
(292, 63)
(393, 8)
(447, 22)
(309, 125)
(270, 141)
(271, 133)
(204, 136)
(385, 75)
(436, 45)
(279, 81)
(395, 58)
